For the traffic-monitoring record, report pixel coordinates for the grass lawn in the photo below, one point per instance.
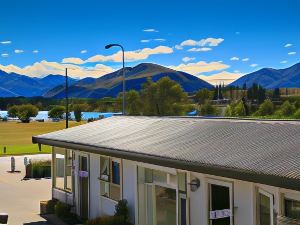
(16, 136)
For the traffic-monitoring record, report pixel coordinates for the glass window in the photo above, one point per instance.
(292, 208)
(264, 209)
(63, 169)
(110, 178)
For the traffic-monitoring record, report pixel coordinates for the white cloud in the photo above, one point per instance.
(284, 61)
(188, 59)
(254, 65)
(35, 51)
(200, 67)
(245, 59)
(236, 71)
(203, 42)
(199, 49)
(222, 77)
(234, 58)
(18, 51)
(178, 47)
(145, 41)
(292, 53)
(83, 51)
(160, 39)
(288, 45)
(4, 55)
(44, 68)
(130, 56)
(150, 30)
(5, 42)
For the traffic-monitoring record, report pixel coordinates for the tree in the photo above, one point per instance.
(202, 96)
(12, 111)
(297, 114)
(26, 111)
(165, 97)
(208, 110)
(229, 111)
(287, 109)
(276, 93)
(256, 92)
(240, 110)
(57, 112)
(133, 103)
(78, 109)
(265, 109)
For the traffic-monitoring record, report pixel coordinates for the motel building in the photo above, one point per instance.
(180, 170)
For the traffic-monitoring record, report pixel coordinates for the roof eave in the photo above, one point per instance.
(283, 182)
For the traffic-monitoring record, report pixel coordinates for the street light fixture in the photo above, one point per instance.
(124, 89)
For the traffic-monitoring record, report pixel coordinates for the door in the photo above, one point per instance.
(84, 186)
(265, 208)
(220, 204)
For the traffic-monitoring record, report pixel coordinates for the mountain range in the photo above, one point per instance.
(272, 78)
(109, 85)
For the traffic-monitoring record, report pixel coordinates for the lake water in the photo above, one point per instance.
(85, 115)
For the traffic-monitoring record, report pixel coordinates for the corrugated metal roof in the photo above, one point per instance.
(259, 149)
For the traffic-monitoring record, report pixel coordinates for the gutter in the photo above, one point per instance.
(277, 181)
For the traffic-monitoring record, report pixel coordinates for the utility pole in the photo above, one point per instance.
(67, 100)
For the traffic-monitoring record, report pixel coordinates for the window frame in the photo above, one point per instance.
(271, 197)
(110, 177)
(66, 153)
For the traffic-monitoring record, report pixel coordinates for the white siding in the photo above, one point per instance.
(94, 186)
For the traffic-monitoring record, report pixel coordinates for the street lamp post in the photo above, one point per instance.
(67, 100)
(123, 70)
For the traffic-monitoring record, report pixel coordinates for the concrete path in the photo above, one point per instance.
(21, 198)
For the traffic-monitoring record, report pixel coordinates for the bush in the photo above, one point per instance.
(57, 112)
(26, 111)
(121, 210)
(297, 114)
(239, 109)
(265, 109)
(208, 110)
(78, 109)
(287, 109)
(62, 210)
(106, 220)
(12, 111)
(41, 168)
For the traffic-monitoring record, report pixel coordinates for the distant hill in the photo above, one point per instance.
(110, 85)
(13, 85)
(272, 78)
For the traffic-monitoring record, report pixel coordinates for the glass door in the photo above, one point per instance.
(265, 208)
(220, 203)
(84, 186)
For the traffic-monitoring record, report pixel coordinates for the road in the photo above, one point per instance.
(21, 198)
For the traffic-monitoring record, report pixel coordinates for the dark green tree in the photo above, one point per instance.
(12, 111)
(202, 96)
(57, 112)
(208, 110)
(26, 111)
(134, 105)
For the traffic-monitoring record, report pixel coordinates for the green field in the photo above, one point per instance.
(16, 136)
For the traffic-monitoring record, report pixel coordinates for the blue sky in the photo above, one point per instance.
(213, 39)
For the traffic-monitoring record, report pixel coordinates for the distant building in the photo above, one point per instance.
(180, 171)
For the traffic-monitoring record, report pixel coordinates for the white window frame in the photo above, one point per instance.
(271, 197)
(112, 159)
(224, 184)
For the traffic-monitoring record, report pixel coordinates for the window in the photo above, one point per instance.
(110, 178)
(63, 160)
(265, 208)
(292, 208)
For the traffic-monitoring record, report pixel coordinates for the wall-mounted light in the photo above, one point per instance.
(194, 184)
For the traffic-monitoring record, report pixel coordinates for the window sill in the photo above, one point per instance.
(63, 190)
(109, 199)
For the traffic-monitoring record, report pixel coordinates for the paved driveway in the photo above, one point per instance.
(20, 198)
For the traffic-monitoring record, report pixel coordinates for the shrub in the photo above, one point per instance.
(208, 110)
(121, 210)
(265, 109)
(297, 114)
(287, 108)
(62, 210)
(78, 109)
(57, 112)
(26, 111)
(12, 111)
(41, 168)
(239, 109)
